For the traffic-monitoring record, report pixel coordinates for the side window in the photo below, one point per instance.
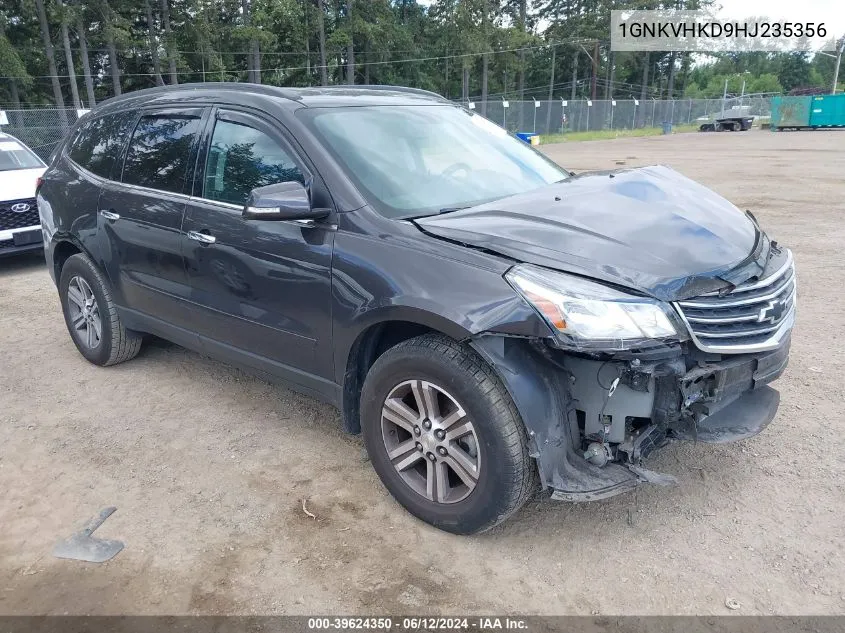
(242, 158)
(160, 150)
(99, 142)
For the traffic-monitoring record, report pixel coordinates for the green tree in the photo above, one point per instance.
(153, 42)
(65, 16)
(460, 48)
(51, 58)
(82, 35)
(12, 66)
(794, 71)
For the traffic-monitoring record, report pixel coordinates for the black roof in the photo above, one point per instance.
(323, 96)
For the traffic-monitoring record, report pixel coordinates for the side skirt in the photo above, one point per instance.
(265, 368)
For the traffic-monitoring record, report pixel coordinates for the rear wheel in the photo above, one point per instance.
(444, 435)
(91, 315)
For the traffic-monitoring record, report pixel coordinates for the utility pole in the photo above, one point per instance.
(350, 48)
(485, 57)
(324, 69)
(644, 87)
(838, 64)
(608, 91)
(595, 70)
(551, 91)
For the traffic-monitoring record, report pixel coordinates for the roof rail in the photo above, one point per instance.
(287, 93)
(418, 91)
(293, 94)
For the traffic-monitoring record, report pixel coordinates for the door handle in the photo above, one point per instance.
(202, 238)
(109, 215)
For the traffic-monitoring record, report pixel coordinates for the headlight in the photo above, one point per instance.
(588, 315)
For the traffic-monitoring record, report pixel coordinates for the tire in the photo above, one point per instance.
(115, 343)
(505, 475)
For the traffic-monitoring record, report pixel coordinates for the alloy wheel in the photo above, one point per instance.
(84, 313)
(430, 441)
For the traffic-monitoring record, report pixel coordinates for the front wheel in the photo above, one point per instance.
(444, 435)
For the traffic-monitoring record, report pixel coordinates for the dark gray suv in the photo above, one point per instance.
(493, 324)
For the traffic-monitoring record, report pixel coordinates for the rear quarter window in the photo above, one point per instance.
(159, 151)
(99, 143)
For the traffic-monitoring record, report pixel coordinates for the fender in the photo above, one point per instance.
(55, 245)
(375, 332)
(438, 286)
(505, 315)
(80, 226)
(442, 286)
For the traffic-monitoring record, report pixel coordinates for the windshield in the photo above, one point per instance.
(412, 161)
(13, 155)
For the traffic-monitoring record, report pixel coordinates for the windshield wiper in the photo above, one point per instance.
(451, 209)
(442, 211)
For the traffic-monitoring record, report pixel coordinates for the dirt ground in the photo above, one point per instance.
(208, 466)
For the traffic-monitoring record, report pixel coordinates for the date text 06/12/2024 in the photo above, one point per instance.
(418, 623)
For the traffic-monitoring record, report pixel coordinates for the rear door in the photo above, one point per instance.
(263, 288)
(142, 214)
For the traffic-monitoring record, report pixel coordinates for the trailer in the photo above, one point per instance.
(735, 119)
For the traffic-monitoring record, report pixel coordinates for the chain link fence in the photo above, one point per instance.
(42, 128)
(582, 115)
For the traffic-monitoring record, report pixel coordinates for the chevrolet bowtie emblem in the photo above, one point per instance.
(772, 312)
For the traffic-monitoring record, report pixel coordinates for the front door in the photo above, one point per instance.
(262, 287)
(142, 215)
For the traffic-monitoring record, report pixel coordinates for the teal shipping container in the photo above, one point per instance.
(808, 112)
(790, 112)
(828, 111)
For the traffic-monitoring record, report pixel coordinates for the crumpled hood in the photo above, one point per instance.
(650, 229)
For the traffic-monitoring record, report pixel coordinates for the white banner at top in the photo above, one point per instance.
(712, 32)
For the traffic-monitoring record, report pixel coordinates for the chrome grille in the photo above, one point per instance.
(753, 317)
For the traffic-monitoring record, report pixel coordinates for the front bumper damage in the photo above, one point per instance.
(592, 421)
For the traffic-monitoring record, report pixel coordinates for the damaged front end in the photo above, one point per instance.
(594, 415)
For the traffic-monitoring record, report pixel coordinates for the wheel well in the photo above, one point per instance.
(370, 344)
(61, 252)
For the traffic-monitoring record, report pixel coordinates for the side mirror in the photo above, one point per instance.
(282, 201)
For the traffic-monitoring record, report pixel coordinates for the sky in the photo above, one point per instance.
(828, 11)
(831, 12)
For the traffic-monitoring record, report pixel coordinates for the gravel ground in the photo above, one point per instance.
(209, 466)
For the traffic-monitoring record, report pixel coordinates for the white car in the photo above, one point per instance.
(20, 169)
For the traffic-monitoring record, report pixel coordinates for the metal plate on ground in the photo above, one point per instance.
(83, 546)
